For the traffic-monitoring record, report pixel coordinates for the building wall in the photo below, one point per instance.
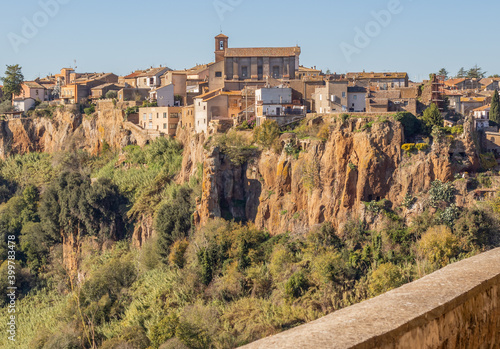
(200, 116)
(187, 119)
(165, 96)
(356, 102)
(332, 98)
(162, 119)
(274, 95)
(216, 82)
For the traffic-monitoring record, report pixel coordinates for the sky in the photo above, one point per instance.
(416, 36)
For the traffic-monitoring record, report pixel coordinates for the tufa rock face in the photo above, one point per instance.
(69, 130)
(327, 182)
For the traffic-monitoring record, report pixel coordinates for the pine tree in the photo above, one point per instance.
(461, 73)
(495, 108)
(12, 81)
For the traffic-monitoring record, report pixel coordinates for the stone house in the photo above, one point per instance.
(33, 90)
(151, 78)
(161, 119)
(332, 98)
(187, 119)
(216, 105)
(490, 84)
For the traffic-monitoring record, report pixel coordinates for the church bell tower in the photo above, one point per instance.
(221, 43)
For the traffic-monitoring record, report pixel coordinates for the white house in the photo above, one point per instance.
(481, 117)
(356, 99)
(23, 104)
(163, 95)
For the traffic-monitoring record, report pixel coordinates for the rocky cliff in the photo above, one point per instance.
(68, 129)
(327, 181)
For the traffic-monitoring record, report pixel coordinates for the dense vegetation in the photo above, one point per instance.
(220, 286)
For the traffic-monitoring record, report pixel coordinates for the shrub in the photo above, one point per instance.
(422, 146)
(409, 147)
(235, 146)
(457, 130)
(267, 133)
(438, 245)
(441, 193)
(386, 277)
(488, 161)
(90, 110)
(111, 94)
(296, 285)
(324, 133)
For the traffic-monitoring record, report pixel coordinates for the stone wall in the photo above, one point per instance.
(455, 307)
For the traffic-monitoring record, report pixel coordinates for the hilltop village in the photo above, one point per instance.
(216, 206)
(251, 85)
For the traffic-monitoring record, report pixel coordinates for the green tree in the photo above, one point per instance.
(443, 72)
(12, 81)
(476, 72)
(111, 94)
(495, 108)
(173, 221)
(432, 117)
(462, 73)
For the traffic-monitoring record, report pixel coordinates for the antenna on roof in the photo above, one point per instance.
(75, 64)
(221, 29)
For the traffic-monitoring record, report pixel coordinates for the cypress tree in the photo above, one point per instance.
(495, 108)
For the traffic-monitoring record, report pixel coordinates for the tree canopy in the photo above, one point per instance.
(432, 117)
(12, 81)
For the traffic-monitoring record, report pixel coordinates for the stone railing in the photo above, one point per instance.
(455, 307)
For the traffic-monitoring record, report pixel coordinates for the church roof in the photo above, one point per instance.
(263, 52)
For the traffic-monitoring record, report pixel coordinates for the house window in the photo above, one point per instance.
(144, 117)
(173, 126)
(151, 81)
(164, 115)
(36, 92)
(355, 97)
(331, 98)
(244, 71)
(343, 94)
(145, 81)
(204, 107)
(320, 97)
(260, 70)
(157, 115)
(150, 116)
(164, 126)
(218, 74)
(150, 125)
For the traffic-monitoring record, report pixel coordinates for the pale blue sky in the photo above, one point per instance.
(120, 36)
